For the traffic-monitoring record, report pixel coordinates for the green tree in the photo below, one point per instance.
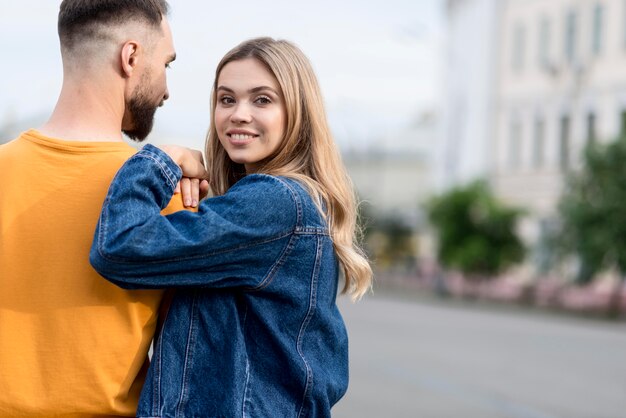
(593, 212)
(476, 234)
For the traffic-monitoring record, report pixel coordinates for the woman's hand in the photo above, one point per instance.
(193, 185)
(193, 191)
(189, 160)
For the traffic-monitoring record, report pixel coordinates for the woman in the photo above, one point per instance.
(253, 329)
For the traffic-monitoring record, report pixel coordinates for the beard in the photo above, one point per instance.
(142, 111)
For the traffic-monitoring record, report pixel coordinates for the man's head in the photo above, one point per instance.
(129, 40)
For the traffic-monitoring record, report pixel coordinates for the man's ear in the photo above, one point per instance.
(129, 56)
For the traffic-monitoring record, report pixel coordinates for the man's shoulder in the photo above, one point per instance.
(12, 149)
(8, 144)
(31, 140)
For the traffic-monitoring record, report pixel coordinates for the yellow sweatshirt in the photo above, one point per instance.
(71, 343)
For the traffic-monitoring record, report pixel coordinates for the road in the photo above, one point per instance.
(431, 359)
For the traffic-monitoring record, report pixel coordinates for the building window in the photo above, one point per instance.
(591, 128)
(538, 143)
(598, 23)
(519, 48)
(544, 42)
(515, 145)
(564, 143)
(570, 36)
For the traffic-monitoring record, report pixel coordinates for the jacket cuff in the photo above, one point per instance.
(170, 170)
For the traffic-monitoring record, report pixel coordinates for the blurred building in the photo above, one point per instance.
(394, 175)
(470, 90)
(555, 82)
(561, 85)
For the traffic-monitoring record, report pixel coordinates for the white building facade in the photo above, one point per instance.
(395, 176)
(470, 90)
(529, 84)
(561, 85)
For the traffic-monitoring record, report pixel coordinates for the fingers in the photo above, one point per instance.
(204, 189)
(195, 192)
(177, 188)
(185, 189)
(192, 191)
(193, 186)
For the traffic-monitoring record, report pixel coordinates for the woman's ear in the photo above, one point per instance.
(129, 57)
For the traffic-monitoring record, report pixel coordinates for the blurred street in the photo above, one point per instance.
(433, 359)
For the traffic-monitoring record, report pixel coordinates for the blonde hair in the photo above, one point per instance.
(307, 152)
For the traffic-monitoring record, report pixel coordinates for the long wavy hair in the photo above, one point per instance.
(307, 152)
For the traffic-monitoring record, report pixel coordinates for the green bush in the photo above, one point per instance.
(593, 212)
(593, 209)
(476, 234)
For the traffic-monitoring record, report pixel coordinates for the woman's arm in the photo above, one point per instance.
(235, 240)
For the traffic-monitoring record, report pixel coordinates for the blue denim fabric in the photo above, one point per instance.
(253, 330)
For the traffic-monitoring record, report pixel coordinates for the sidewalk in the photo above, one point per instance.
(549, 293)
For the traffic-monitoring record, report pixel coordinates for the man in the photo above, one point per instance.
(71, 343)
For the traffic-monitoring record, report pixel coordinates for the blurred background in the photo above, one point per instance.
(487, 141)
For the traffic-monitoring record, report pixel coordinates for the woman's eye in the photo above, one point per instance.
(263, 100)
(227, 100)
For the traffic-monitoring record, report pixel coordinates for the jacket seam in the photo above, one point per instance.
(192, 257)
(305, 323)
(188, 359)
(156, 410)
(245, 387)
(297, 195)
(296, 199)
(303, 230)
(156, 388)
(163, 165)
(165, 170)
(269, 277)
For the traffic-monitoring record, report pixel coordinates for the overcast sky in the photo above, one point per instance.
(378, 62)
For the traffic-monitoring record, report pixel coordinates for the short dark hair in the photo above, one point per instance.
(77, 18)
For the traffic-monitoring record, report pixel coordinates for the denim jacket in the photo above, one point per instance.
(253, 330)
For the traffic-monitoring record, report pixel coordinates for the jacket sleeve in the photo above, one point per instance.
(235, 240)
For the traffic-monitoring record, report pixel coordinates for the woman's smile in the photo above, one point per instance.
(238, 137)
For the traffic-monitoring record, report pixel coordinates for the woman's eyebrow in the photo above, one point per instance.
(261, 88)
(252, 90)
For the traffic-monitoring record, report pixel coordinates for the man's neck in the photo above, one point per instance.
(86, 112)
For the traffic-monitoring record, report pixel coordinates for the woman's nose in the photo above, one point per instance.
(241, 113)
